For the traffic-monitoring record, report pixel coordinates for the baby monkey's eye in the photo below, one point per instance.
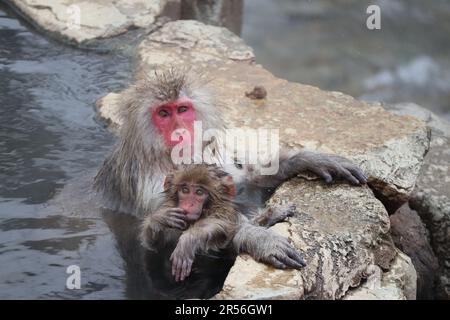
(199, 192)
(185, 190)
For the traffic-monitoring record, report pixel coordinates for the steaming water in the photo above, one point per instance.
(48, 135)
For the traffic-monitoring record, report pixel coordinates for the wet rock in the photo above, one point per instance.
(411, 236)
(81, 20)
(343, 230)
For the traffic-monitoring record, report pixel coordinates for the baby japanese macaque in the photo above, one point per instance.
(198, 213)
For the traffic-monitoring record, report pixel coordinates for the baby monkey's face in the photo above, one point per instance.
(192, 198)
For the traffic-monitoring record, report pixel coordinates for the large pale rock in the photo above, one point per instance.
(431, 197)
(343, 230)
(81, 20)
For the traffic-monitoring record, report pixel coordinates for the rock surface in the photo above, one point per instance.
(411, 236)
(343, 230)
(81, 20)
(339, 228)
(431, 197)
(399, 283)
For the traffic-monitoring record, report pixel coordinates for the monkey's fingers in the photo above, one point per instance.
(174, 265)
(178, 269)
(186, 269)
(295, 259)
(346, 174)
(177, 223)
(177, 212)
(274, 261)
(177, 215)
(324, 174)
(358, 173)
(289, 262)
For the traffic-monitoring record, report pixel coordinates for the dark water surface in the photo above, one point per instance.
(48, 135)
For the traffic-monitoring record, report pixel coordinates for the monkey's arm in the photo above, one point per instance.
(206, 234)
(266, 246)
(162, 227)
(326, 166)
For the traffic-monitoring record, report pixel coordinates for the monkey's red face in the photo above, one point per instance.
(169, 117)
(191, 198)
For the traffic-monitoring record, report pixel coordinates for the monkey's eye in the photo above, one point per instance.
(182, 109)
(185, 190)
(163, 113)
(199, 192)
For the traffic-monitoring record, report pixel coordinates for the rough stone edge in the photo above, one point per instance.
(398, 283)
(95, 43)
(393, 195)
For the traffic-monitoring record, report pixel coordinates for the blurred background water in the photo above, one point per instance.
(49, 133)
(326, 43)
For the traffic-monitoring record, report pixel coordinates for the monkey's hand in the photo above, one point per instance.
(153, 233)
(330, 167)
(281, 254)
(266, 246)
(182, 259)
(280, 215)
(171, 218)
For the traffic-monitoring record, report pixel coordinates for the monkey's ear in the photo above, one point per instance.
(230, 187)
(168, 181)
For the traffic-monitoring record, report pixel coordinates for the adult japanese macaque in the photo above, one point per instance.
(158, 108)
